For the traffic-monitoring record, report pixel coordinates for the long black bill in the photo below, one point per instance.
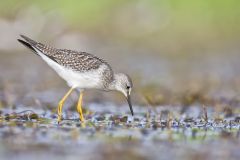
(130, 104)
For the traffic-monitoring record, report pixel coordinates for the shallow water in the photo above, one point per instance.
(111, 133)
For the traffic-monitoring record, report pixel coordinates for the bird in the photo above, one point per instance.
(81, 71)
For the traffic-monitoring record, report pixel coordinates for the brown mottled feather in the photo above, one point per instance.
(74, 60)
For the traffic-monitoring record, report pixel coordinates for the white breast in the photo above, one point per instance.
(91, 79)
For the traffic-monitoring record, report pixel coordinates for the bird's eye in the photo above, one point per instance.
(128, 87)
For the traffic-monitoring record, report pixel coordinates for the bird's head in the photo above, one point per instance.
(123, 84)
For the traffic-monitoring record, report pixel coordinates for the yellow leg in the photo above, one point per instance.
(60, 105)
(79, 106)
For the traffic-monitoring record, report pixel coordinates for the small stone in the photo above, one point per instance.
(237, 119)
(188, 120)
(124, 119)
(100, 118)
(155, 125)
(33, 116)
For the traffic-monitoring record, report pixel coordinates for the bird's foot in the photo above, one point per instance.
(59, 119)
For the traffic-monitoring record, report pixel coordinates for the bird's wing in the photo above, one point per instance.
(77, 61)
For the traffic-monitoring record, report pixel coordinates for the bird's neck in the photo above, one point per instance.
(113, 84)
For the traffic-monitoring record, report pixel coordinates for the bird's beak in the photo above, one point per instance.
(129, 103)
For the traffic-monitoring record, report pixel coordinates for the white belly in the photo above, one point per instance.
(91, 79)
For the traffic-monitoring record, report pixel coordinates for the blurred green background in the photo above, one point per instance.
(166, 26)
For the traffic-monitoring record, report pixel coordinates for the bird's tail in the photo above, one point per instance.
(27, 42)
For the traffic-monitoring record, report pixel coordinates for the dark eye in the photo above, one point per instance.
(128, 87)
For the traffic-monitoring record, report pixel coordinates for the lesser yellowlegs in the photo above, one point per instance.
(81, 71)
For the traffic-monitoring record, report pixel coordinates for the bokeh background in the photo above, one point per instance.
(183, 57)
(177, 52)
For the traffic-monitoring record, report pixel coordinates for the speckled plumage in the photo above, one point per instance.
(74, 60)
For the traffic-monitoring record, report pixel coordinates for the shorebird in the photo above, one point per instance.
(81, 71)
